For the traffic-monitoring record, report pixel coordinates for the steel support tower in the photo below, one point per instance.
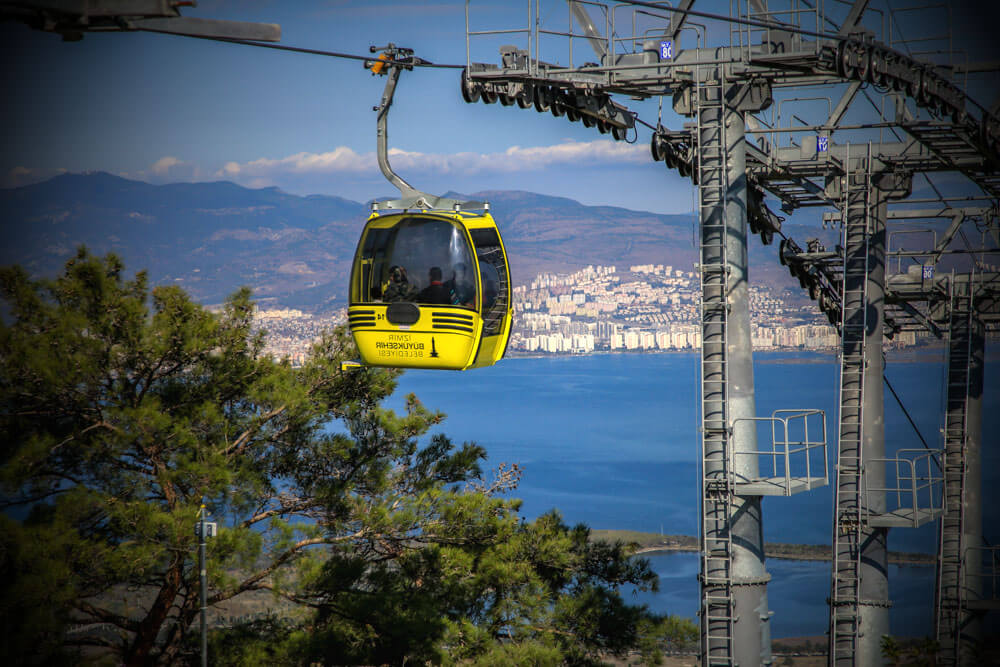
(957, 622)
(859, 587)
(734, 154)
(734, 612)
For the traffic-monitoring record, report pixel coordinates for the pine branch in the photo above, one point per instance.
(287, 507)
(52, 451)
(241, 442)
(254, 580)
(105, 616)
(31, 500)
(294, 598)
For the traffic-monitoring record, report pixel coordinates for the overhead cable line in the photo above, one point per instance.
(910, 419)
(741, 21)
(642, 122)
(416, 62)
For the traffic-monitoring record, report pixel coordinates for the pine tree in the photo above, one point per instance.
(124, 408)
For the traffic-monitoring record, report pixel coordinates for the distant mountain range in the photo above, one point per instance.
(296, 251)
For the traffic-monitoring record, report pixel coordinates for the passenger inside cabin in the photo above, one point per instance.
(399, 288)
(462, 288)
(436, 292)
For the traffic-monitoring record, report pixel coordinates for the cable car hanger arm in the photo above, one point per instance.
(410, 197)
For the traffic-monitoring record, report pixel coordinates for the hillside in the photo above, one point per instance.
(295, 251)
(209, 237)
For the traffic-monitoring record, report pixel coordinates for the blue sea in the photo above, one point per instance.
(610, 440)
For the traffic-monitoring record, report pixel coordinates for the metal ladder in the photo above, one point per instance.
(717, 607)
(950, 601)
(845, 583)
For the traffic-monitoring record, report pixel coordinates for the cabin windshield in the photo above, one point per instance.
(421, 260)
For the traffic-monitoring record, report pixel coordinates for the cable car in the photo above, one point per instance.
(430, 283)
(430, 289)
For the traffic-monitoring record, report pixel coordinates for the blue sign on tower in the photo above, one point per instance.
(822, 144)
(666, 50)
(927, 271)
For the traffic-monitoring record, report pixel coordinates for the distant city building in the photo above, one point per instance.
(656, 308)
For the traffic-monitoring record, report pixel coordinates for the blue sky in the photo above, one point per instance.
(164, 108)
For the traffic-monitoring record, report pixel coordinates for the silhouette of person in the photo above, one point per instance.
(399, 288)
(462, 289)
(436, 292)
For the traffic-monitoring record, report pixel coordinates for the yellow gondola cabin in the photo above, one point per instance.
(430, 289)
(430, 286)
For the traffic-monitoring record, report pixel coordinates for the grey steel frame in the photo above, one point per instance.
(965, 142)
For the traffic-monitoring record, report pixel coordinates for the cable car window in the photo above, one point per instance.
(491, 281)
(373, 261)
(493, 274)
(422, 260)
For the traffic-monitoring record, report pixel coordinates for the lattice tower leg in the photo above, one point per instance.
(972, 633)
(750, 577)
(859, 587)
(874, 569)
(735, 619)
(957, 629)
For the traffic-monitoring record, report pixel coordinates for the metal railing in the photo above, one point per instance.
(802, 15)
(788, 466)
(913, 492)
(642, 25)
(469, 34)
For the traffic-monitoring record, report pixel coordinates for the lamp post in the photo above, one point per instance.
(203, 530)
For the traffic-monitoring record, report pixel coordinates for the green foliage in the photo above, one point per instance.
(265, 641)
(29, 572)
(918, 652)
(494, 587)
(122, 409)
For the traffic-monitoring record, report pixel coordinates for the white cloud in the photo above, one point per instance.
(164, 164)
(340, 159)
(169, 169)
(577, 152)
(514, 159)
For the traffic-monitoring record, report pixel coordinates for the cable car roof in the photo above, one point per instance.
(430, 203)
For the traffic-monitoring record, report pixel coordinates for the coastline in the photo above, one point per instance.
(917, 354)
(653, 543)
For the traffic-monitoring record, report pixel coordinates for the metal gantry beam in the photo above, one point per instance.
(73, 18)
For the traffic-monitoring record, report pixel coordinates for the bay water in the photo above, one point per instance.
(611, 440)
